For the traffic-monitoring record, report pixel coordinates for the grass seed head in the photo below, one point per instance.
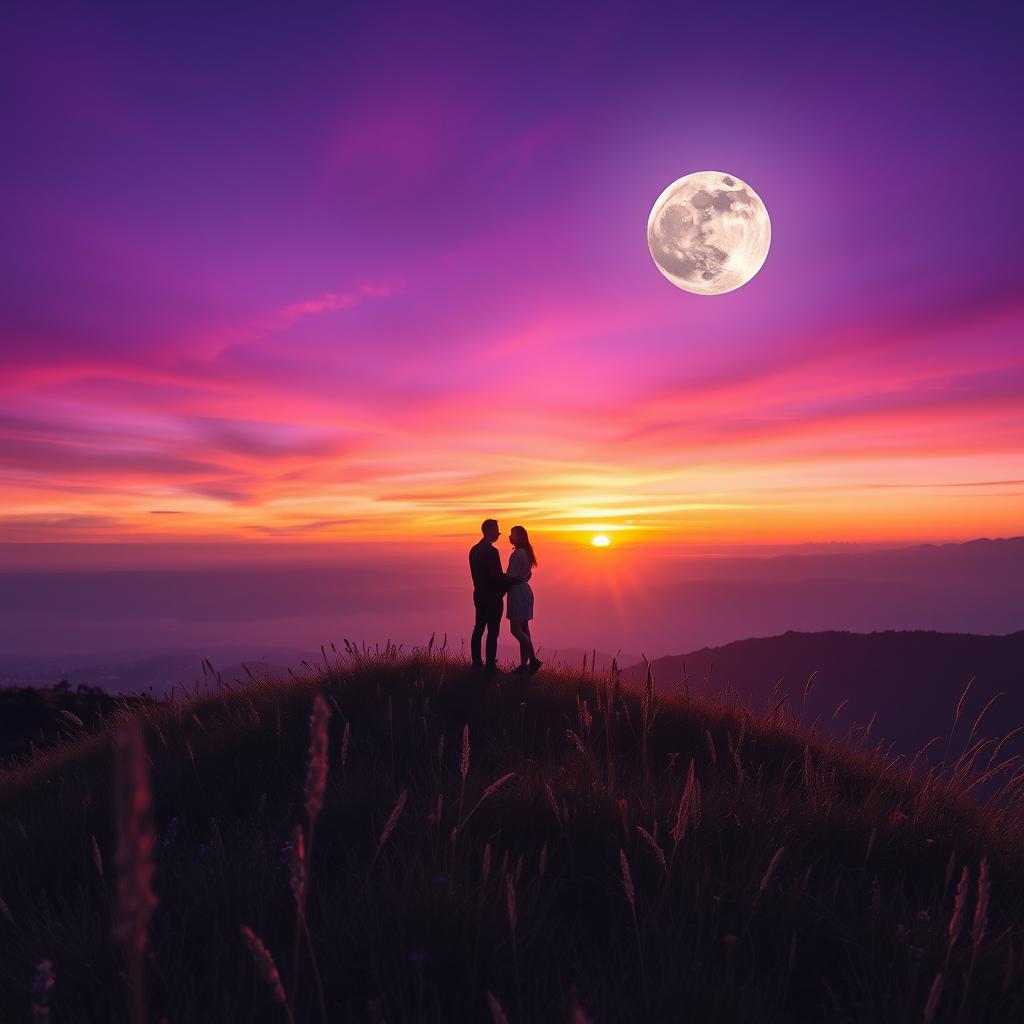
(810, 683)
(497, 1013)
(485, 868)
(962, 700)
(345, 738)
(950, 864)
(392, 821)
(510, 902)
(316, 771)
(264, 964)
(983, 715)
(135, 900)
(554, 803)
(689, 806)
(956, 922)
(981, 907)
(97, 859)
(627, 880)
(653, 844)
(934, 995)
(490, 791)
(295, 854)
(773, 864)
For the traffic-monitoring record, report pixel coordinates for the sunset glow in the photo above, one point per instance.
(429, 299)
(461, 434)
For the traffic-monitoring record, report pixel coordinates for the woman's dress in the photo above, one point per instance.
(520, 597)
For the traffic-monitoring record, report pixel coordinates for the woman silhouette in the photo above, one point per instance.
(520, 597)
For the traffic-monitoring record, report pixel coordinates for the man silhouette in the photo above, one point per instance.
(489, 586)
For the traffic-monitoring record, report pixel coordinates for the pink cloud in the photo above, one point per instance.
(329, 302)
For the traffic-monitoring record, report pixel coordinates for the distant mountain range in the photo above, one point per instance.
(972, 563)
(975, 587)
(911, 680)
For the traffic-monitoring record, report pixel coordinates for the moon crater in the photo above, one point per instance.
(709, 233)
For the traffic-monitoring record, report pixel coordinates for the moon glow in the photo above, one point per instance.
(709, 232)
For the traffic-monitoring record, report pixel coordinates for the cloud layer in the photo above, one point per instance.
(374, 277)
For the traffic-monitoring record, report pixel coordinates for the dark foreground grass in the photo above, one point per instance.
(781, 878)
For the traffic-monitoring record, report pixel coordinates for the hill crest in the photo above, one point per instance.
(561, 846)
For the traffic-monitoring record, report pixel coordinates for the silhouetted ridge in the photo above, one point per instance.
(561, 849)
(912, 680)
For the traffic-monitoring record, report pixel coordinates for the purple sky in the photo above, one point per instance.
(367, 271)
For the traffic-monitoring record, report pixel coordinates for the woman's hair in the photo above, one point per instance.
(524, 537)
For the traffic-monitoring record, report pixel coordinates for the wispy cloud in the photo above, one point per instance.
(401, 283)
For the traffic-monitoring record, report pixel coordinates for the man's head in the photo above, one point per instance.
(489, 528)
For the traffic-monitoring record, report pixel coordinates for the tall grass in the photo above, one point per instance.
(430, 847)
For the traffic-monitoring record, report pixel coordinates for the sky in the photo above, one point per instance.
(281, 277)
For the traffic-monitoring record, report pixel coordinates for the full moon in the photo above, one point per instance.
(709, 232)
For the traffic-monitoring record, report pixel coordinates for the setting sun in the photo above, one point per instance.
(600, 541)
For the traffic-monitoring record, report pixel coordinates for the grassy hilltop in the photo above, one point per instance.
(554, 849)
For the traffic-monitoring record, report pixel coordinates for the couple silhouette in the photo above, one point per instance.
(491, 584)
